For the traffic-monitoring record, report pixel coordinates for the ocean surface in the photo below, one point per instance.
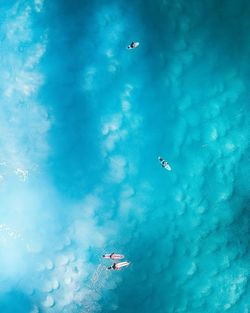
(82, 123)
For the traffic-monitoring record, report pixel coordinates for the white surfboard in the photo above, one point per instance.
(136, 44)
(122, 264)
(113, 256)
(167, 166)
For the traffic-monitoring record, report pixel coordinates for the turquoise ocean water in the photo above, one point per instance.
(82, 122)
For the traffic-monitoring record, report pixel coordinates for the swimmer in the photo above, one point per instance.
(133, 45)
(118, 266)
(164, 164)
(113, 256)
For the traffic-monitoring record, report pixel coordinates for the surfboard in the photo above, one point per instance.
(114, 256)
(136, 45)
(122, 264)
(167, 166)
(117, 256)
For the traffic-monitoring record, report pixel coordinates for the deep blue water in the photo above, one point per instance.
(82, 122)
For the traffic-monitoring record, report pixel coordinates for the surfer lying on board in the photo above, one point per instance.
(118, 266)
(164, 163)
(133, 45)
(113, 256)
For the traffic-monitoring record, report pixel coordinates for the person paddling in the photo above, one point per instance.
(164, 164)
(133, 45)
(113, 256)
(118, 266)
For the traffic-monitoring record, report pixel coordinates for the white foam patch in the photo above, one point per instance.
(67, 299)
(230, 147)
(21, 81)
(192, 270)
(201, 209)
(18, 28)
(38, 5)
(35, 309)
(25, 83)
(126, 106)
(136, 122)
(36, 54)
(117, 171)
(111, 140)
(55, 284)
(47, 286)
(34, 247)
(89, 78)
(109, 53)
(125, 103)
(214, 134)
(83, 231)
(70, 289)
(128, 90)
(9, 230)
(112, 68)
(113, 30)
(126, 205)
(127, 192)
(22, 174)
(67, 285)
(91, 204)
(62, 260)
(49, 264)
(236, 290)
(49, 302)
(112, 125)
(113, 132)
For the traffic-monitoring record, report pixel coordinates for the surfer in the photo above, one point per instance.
(164, 163)
(133, 45)
(113, 256)
(118, 266)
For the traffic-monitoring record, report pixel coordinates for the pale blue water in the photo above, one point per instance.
(82, 123)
